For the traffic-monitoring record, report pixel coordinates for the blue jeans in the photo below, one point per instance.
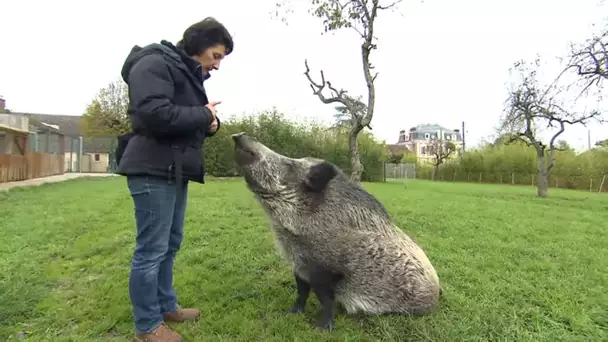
(159, 217)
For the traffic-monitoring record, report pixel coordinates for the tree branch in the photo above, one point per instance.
(590, 62)
(355, 107)
(389, 6)
(562, 128)
(318, 88)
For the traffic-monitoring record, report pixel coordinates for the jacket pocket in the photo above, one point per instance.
(193, 162)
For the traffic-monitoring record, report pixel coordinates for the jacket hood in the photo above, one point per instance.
(137, 52)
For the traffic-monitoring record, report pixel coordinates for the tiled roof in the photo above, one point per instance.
(432, 128)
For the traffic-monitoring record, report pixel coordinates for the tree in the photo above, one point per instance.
(343, 117)
(602, 143)
(530, 106)
(394, 158)
(564, 146)
(107, 113)
(590, 61)
(360, 16)
(441, 150)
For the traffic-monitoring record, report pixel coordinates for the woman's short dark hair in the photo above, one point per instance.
(205, 34)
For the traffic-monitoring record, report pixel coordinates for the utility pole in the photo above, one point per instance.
(588, 138)
(463, 137)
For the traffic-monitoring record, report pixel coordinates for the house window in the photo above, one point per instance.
(427, 136)
(448, 137)
(453, 136)
(423, 150)
(96, 156)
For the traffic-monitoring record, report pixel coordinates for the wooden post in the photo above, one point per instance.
(62, 154)
(513, 178)
(590, 184)
(468, 177)
(532, 179)
(454, 176)
(480, 175)
(602, 184)
(26, 144)
(501, 178)
(26, 150)
(48, 142)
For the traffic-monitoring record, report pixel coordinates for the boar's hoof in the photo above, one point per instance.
(297, 309)
(325, 324)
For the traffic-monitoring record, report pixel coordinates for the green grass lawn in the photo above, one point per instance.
(513, 267)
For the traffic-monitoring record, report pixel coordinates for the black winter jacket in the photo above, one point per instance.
(168, 116)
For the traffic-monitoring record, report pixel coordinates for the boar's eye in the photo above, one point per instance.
(291, 173)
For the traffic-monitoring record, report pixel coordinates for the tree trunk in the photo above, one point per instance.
(435, 171)
(355, 158)
(542, 186)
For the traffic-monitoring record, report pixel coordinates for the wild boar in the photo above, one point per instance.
(339, 240)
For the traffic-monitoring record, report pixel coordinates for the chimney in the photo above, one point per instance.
(2, 105)
(457, 130)
(401, 137)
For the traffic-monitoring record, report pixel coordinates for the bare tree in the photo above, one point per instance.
(530, 106)
(590, 62)
(441, 151)
(360, 16)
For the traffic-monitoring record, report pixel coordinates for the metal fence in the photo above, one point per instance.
(399, 171)
(73, 154)
(51, 143)
(587, 182)
(46, 142)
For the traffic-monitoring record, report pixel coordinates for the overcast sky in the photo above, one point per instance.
(440, 61)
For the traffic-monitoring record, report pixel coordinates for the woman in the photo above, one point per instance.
(170, 118)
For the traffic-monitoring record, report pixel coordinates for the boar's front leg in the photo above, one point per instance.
(303, 289)
(323, 282)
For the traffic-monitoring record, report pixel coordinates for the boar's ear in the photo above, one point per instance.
(319, 175)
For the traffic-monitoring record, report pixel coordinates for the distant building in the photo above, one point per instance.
(418, 139)
(95, 151)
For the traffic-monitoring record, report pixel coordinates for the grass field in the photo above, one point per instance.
(513, 267)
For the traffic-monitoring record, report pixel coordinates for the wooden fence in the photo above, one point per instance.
(33, 165)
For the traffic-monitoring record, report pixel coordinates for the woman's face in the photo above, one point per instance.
(211, 58)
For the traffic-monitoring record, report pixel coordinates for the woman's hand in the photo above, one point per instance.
(213, 126)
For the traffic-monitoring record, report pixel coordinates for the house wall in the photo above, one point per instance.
(8, 144)
(423, 145)
(95, 162)
(74, 162)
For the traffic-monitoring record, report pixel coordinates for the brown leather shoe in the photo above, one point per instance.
(162, 333)
(182, 315)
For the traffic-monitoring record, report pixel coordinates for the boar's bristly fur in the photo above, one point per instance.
(340, 241)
